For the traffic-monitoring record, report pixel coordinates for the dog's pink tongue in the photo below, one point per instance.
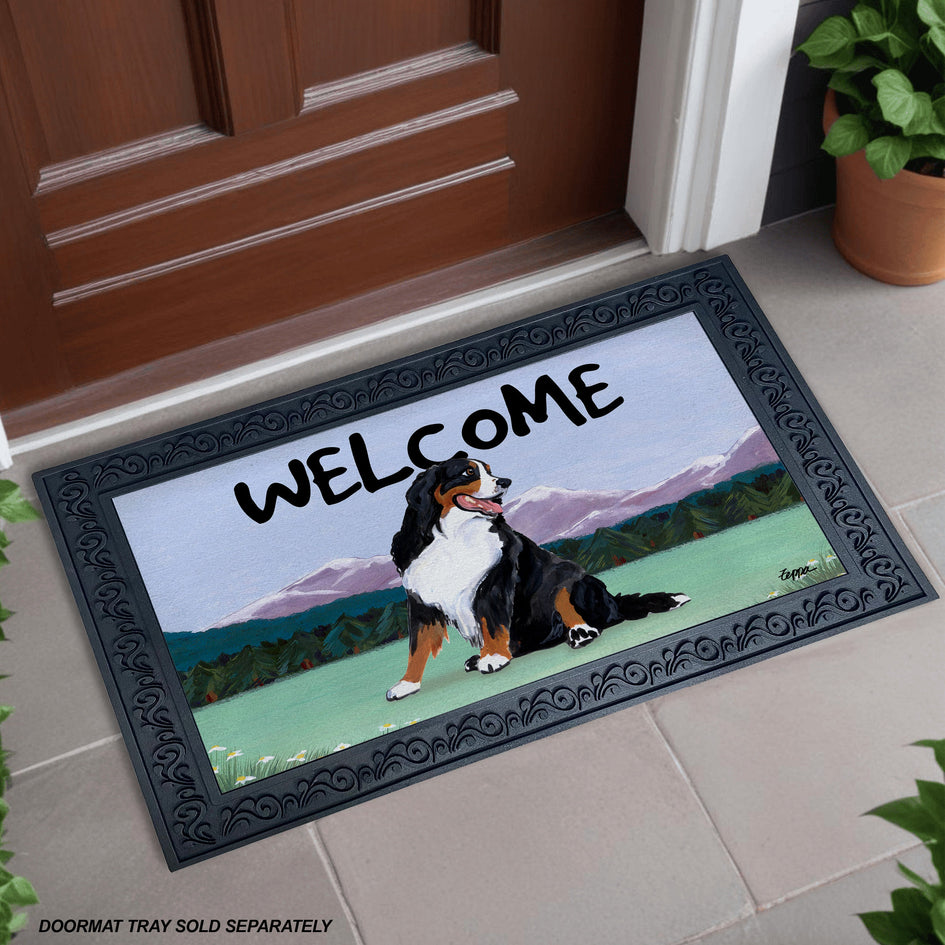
(472, 504)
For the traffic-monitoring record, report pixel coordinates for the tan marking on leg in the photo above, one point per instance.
(495, 643)
(430, 639)
(566, 609)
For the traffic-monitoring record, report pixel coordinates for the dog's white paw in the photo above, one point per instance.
(402, 689)
(492, 663)
(680, 600)
(581, 635)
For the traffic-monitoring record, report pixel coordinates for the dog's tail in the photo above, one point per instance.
(637, 606)
(602, 609)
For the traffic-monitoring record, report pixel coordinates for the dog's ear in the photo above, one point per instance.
(420, 493)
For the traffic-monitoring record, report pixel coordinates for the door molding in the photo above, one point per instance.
(711, 80)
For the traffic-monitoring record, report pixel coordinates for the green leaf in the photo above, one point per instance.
(894, 93)
(934, 39)
(938, 859)
(912, 911)
(867, 20)
(13, 507)
(19, 892)
(847, 134)
(888, 155)
(923, 117)
(932, 796)
(5, 712)
(886, 929)
(936, 744)
(861, 62)
(18, 921)
(845, 84)
(930, 892)
(938, 116)
(938, 919)
(831, 44)
(909, 814)
(931, 12)
(890, 9)
(901, 43)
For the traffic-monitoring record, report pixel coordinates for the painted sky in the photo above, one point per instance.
(202, 557)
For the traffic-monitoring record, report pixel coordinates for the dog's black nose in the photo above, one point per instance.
(504, 483)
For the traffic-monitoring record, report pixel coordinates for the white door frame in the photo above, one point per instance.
(6, 457)
(709, 96)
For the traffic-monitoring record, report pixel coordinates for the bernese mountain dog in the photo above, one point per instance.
(463, 566)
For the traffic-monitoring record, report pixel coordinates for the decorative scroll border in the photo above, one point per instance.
(194, 820)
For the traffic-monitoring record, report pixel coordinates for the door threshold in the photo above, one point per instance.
(436, 299)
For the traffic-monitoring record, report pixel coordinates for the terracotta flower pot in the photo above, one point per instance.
(893, 230)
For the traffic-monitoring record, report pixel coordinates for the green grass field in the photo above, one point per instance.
(343, 703)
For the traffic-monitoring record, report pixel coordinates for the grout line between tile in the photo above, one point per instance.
(69, 754)
(913, 502)
(721, 927)
(335, 881)
(843, 874)
(705, 811)
(931, 569)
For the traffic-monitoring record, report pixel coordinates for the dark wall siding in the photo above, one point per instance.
(802, 176)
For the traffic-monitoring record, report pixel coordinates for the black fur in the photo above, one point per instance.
(519, 592)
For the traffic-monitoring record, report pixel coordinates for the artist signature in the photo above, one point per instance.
(793, 575)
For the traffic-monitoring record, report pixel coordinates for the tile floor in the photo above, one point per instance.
(727, 813)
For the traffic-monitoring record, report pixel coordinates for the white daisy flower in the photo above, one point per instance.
(245, 779)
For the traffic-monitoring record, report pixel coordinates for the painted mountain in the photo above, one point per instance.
(542, 513)
(546, 514)
(338, 579)
(350, 606)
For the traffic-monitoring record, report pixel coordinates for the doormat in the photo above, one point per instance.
(317, 600)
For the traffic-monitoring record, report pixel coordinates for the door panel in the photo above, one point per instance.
(245, 60)
(103, 73)
(191, 169)
(197, 304)
(256, 205)
(341, 38)
(121, 183)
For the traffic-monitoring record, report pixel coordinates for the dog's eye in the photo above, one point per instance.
(470, 470)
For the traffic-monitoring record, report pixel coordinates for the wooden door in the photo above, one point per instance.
(180, 171)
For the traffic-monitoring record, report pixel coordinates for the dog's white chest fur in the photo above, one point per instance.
(448, 572)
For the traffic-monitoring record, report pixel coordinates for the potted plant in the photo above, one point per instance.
(917, 916)
(884, 120)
